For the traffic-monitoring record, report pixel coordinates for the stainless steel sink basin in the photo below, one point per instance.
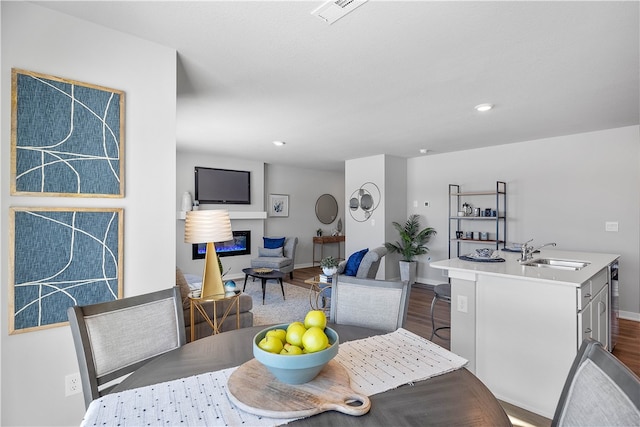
(559, 264)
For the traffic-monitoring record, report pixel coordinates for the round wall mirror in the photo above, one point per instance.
(326, 208)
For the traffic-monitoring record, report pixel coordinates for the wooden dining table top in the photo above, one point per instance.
(456, 398)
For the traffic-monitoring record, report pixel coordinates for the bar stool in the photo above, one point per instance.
(442, 292)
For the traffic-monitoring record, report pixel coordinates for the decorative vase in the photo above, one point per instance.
(186, 201)
(229, 286)
(329, 271)
(408, 271)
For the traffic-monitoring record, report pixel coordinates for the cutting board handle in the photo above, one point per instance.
(348, 405)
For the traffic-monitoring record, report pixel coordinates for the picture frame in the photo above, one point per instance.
(67, 137)
(278, 205)
(60, 257)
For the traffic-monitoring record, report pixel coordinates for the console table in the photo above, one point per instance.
(325, 240)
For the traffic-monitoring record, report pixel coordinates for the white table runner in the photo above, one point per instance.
(375, 364)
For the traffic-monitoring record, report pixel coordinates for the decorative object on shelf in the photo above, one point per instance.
(329, 265)
(319, 232)
(196, 205)
(364, 201)
(209, 226)
(484, 235)
(326, 209)
(61, 257)
(339, 226)
(412, 243)
(51, 157)
(229, 287)
(466, 208)
(278, 205)
(186, 201)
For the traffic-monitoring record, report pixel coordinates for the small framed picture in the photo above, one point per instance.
(278, 205)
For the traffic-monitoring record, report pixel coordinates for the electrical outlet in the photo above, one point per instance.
(427, 204)
(72, 384)
(462, 303)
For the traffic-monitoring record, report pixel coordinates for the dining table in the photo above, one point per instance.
(456, 397)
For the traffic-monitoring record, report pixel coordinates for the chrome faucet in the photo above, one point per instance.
(527, 251)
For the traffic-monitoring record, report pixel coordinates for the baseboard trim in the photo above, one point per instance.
(629, 315)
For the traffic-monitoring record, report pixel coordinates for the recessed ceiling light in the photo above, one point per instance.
(279, 143)
(483, 107)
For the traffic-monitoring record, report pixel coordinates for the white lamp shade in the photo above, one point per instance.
(205, 226)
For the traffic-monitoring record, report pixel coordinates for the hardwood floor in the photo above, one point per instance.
(627, 348)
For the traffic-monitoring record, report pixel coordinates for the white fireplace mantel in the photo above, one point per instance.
(234, 215)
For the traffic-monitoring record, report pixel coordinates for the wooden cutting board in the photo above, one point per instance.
(254, 389)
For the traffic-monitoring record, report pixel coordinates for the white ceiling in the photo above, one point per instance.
(390, 78)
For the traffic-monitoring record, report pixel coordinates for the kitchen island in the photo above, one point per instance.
(520, 326)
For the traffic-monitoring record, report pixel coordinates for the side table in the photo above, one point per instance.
(324, 240)
(318, 291)
(196, 302)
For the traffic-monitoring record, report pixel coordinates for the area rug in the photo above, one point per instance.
(275, 309)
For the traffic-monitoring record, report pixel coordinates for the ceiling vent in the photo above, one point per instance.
(333, 10)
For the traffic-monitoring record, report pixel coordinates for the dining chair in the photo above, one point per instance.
(599, 390)
(377, 304)
(114, 338)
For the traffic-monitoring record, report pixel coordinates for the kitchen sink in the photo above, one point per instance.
(559, 264)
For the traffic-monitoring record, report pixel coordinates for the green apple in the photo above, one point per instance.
(315, 318)
(295, 333)
(271, 344)
(314, 339)
(291, 349)
(278, 333)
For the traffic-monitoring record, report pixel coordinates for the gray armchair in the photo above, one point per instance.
(282, 261)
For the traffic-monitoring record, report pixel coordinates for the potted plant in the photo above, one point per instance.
(329, 265)
(411, 244)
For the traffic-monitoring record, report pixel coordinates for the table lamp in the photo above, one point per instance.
(209, 226)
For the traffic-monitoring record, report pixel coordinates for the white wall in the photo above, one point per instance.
(303, 186)
(560, 190)
(34, 364)
(388, 173)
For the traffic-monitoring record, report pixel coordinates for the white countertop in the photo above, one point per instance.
(512, 268)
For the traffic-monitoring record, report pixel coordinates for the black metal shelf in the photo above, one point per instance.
(456, 197)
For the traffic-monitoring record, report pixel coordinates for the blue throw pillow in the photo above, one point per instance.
(271, 243)
(354, 262)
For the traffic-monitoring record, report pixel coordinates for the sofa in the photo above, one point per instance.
(369, 264)
(281, 258)
(201, 326)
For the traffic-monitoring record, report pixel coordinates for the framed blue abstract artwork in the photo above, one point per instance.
(67, 137)
(60, 257)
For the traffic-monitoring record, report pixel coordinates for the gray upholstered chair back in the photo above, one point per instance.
(115, 338)
(378, 304)
(599, 391)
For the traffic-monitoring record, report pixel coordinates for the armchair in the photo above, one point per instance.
(283, 261)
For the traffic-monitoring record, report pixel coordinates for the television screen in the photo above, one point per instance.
(222, 186)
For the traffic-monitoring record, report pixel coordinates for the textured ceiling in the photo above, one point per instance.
(390, 78)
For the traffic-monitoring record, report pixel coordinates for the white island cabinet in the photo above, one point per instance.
(520, 327)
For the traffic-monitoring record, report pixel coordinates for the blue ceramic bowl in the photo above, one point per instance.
(299, 368)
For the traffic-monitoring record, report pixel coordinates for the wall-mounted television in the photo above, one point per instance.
(222, 186)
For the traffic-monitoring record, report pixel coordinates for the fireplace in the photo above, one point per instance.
(240, 245)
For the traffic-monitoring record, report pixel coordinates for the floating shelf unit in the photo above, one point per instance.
(498, 233)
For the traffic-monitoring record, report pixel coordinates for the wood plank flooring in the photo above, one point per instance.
(627, 348)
